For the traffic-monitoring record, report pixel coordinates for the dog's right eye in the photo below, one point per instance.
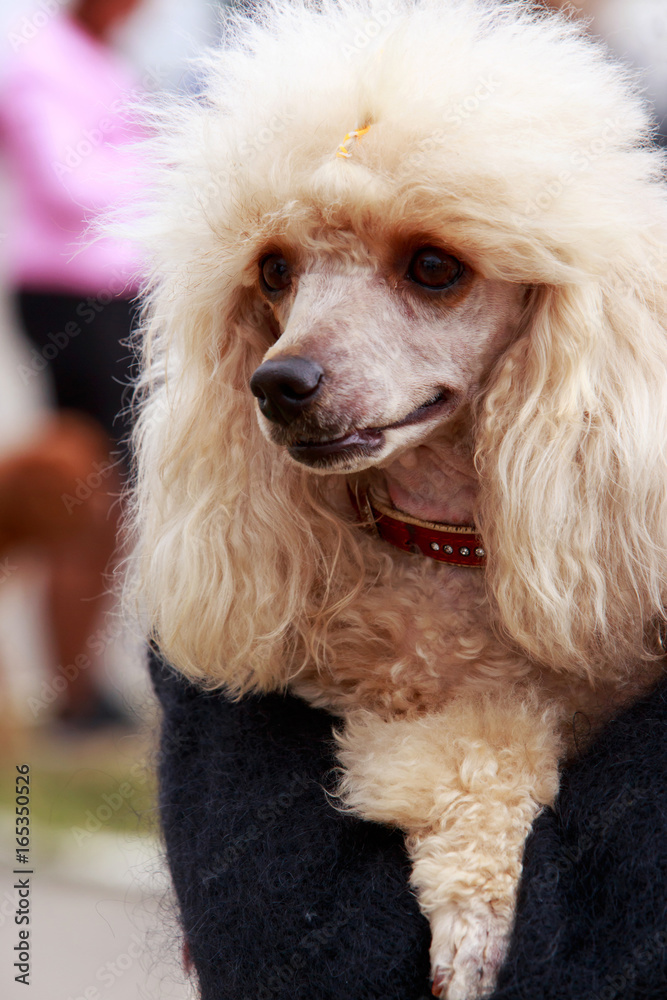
(435, 269)
(274, 273)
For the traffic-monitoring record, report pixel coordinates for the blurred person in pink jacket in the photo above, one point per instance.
(69, 148)
(68, 145)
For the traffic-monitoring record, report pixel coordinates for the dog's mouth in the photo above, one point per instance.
(368, 441)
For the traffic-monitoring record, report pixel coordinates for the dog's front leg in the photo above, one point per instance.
(465, 784)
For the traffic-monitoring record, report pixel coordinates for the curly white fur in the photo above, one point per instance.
(519, 143)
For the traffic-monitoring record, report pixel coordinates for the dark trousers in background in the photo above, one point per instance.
(81, 342)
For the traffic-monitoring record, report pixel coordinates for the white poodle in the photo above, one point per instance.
(404, 442)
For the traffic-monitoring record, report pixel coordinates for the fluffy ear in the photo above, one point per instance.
(236, 554)
(572, 453)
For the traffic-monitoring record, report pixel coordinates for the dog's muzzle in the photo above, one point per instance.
(286, 387)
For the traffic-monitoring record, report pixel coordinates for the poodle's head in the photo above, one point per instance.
(376, 217)
(376, 344)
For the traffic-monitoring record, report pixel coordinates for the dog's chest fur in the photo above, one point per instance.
(426, 629)
(427, 637)
(427, 634)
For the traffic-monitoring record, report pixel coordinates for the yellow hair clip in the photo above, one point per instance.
(355, 136)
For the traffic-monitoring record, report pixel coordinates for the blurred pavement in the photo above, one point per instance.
(103, 923)
(96, 941)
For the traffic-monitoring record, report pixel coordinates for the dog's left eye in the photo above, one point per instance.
(434, 268)
(274, 273)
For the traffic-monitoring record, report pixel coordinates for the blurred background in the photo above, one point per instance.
(75, 703)
(74, 697)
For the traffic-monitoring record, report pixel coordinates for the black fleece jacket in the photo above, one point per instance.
(284, 898)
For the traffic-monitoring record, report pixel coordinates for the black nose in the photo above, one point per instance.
(285, 387)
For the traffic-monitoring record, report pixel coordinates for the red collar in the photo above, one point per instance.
(458, 545)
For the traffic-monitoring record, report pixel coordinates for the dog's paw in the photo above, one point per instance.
(467, 951)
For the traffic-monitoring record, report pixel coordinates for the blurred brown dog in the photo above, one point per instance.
(58, 502)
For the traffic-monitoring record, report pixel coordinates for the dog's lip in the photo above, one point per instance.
(369, 439)
(441, 400)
